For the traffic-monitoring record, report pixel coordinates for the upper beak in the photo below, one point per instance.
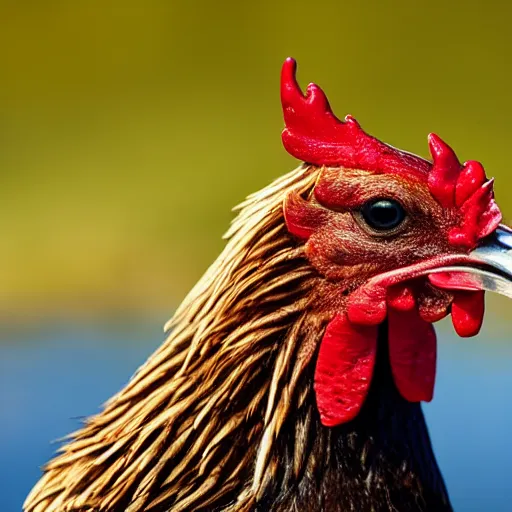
(490, 263)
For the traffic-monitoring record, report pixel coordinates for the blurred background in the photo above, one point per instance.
(129, 129)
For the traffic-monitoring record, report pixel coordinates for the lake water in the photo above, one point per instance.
(52, 376)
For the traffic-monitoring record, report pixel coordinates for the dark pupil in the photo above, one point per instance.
(383, 214)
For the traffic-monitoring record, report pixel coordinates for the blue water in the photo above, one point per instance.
(51, 377)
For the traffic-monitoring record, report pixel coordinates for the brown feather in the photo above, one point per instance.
(196, 427)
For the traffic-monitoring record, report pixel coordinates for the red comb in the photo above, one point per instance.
(464, 187)
(315, 135)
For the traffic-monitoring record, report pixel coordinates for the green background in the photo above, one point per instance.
(129, 129)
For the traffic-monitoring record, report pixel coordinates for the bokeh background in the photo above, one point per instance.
(129, 129)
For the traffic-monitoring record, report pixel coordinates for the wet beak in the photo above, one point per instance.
(490, 266)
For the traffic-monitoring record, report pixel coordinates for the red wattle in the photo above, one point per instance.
(412, 354)
(400, 297)
(344, 370)
(367, 305)
(468, 313)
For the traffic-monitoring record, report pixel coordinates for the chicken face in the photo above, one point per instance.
(363, 224)
(396, 238)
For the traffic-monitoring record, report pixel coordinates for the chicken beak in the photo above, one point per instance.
(495, 257)
(490, 263)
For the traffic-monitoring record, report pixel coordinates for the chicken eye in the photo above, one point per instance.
(383, 214)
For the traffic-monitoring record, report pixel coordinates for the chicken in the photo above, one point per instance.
(293, 372)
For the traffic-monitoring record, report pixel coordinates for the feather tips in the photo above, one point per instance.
(214, 397)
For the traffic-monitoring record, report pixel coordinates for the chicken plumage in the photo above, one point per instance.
(287, 381)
